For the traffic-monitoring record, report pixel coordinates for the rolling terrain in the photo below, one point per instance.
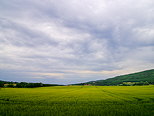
(35, 99)
(141, 78)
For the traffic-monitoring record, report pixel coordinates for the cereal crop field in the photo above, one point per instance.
(78, 101)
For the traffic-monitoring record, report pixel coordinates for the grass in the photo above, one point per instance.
(78, 101)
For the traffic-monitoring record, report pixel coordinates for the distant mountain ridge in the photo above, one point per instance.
(144, 77)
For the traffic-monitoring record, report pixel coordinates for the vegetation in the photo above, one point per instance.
(1, 84)
(24, 84)
(78, 101)
(133, 83)
(126, 99)
(141, 78)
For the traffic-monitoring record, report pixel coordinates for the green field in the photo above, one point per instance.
(78, 101)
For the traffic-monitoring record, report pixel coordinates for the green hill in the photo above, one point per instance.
(139, 78)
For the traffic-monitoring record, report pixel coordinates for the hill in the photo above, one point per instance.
(139, 78)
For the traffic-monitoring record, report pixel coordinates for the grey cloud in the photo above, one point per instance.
(22, 36)
(61, 36)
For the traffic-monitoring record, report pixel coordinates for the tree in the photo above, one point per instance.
(10, 85)
(1, 84)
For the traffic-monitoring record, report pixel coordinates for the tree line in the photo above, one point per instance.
(24, 84)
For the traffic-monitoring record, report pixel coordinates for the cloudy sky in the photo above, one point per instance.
(71, 41)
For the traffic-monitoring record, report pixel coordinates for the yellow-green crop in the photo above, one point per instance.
(78, 101)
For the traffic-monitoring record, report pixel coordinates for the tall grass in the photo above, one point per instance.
(78, 101)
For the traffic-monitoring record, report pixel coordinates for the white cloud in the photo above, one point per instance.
(145, 35)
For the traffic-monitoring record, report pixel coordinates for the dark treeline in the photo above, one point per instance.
(117, 83)
(28, 85)
(24, 84)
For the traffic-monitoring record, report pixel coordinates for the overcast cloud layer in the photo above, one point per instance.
(71, 41)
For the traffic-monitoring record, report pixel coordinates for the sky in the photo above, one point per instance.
(73, 41)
